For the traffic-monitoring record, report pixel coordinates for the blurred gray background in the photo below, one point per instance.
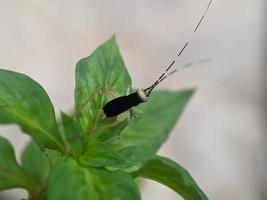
(221, 137)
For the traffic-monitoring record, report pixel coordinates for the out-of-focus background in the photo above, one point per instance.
(221, 138)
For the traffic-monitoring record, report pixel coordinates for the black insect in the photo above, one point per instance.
(123, 103)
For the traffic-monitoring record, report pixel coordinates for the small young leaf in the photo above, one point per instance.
(37, 164)
(103, 68)
(172, 175)
(11, 174)
(160, 115)
(74, 135)
(70, 181)
(71, 127)
(25, 102)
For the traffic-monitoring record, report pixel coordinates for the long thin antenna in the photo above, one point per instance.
(165, 75)
(149, 89)
(186, 65)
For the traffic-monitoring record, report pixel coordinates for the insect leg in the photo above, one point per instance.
(98, 89)
(110, 95)
(128, 91)
(120, 118)
(107, 92)
(137, 111)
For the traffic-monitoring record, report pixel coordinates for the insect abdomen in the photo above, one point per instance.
(121, 104)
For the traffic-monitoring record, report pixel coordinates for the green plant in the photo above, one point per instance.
(76, 157)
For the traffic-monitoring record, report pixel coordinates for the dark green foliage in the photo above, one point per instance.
(11, 174)
(24, 102)
(81, 157)
(172, 175)
(69, 181)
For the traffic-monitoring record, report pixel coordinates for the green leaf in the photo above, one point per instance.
(150, 130)
(136, 156)
(37, 164)
(70, 181)
(129, 159)
(103, 68)
(25, 102)
(172, 175)
(98, 155)
(11, 174)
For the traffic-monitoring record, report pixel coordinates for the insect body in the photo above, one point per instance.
(123, 103)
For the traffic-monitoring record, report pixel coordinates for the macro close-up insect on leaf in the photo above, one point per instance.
(85, 155)
(110, 139)
(133, 100)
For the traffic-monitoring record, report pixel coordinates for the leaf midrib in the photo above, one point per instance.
(20, 180)
(25, 119)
